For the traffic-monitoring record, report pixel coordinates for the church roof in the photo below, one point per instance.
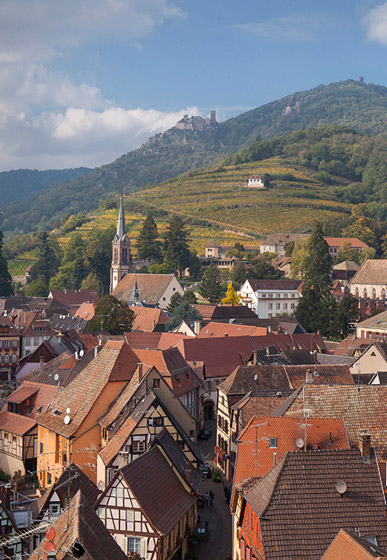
(121, 220)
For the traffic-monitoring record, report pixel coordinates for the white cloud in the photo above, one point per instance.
(280, 29)
(48, 120)
(376, 24)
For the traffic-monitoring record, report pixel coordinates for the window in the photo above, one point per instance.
(6, 358)
(14, 344)
(138, 446)
(54, 509)
(270, 306)
(285, 305)
(41, 447)
(5, 343)
(102, 513)
(273, 442)
(134, 544)
(292, 305)
(129, 515)
(278, 306)
(156, 383)
(14, 358)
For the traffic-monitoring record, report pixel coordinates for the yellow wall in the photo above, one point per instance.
(88, 436)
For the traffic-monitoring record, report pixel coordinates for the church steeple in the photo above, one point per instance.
(120, 250)
(121, 220)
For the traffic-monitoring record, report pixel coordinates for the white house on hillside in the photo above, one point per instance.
(270, 298)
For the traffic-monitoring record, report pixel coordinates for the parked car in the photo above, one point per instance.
(205, 434)
(201, 500)
(206, 471)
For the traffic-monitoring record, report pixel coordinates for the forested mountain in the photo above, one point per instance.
(23, 183)
(362, 106)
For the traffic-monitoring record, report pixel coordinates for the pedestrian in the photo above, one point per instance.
(225, 489)
(207, 499)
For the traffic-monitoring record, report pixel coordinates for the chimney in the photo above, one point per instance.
(41, 363)
(140, 370)
(51, 555)
(197, 327)
(8, 489)
(365, 445)
(309, 377)
(254, 358)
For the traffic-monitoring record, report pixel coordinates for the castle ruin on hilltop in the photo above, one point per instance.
(198, 124)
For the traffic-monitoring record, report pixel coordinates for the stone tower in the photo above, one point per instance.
(120, 250)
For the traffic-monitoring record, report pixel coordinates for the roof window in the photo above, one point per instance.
(273, 442)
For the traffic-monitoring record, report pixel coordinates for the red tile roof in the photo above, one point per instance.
(347, 546)
(301, 511)
(147, 319)
(153, 340)
(74, 298)
(214, 329)
(161, 495)
(79, 528)
(255, 457)
(85, 311)
(222, 355)
(339, 242)
(115, 362)
(150, 287)
(15, 423)
(360, 406)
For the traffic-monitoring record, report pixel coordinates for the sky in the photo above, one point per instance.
(84, 81)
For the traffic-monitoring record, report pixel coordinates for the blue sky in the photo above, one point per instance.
(84, 81)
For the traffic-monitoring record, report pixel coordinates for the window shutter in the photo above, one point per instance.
(144, 547)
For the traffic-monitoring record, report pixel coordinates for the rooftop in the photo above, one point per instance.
(301, 511)
(150, 287)
(372, 271)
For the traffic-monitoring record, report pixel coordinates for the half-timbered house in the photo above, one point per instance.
(79, 533)
(131, 438)
(147, 509)
(69, 425)
(17, 442)
(53, 502)
(11, 546)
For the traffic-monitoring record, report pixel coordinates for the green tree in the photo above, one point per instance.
(346, 253)
(99, 255)
(175, 246)
(232, 297)
(347, 314)
(262, 269)
(211, 287)
(37, 288)
(239, 274)
(5, 277)
(47, 258)
(289, 248)
(111, 315)
(148, 245)
(316, 307)
(183, 312)
(299, 258)
(177, 298)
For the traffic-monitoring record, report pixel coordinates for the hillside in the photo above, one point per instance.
(167, 155)
(23, 183)
(309, 175)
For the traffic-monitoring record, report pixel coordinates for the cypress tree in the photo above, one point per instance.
(148, 245)
(175, 247)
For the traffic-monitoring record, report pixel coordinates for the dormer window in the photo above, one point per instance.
(273, 442)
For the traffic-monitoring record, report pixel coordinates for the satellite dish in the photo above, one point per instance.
(300, 443)
(341, 487)
(255, 377)
(67, 411)
(81, 352)
(101, 485)
(66, 419)
(59, 389)
(50, 533)
(56, 377)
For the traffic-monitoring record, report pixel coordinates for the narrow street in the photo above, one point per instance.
(218, 516)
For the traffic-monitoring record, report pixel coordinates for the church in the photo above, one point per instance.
(148, 290)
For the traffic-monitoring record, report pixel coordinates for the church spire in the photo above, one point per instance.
(121, 220)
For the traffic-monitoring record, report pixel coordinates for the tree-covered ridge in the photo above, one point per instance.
(167, 155)
(23, 183)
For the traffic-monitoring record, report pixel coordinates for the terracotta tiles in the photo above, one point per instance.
(347, 546)
(16, 424)
(360, 406)
(80, 528)
(301, 510)
(162, 497)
